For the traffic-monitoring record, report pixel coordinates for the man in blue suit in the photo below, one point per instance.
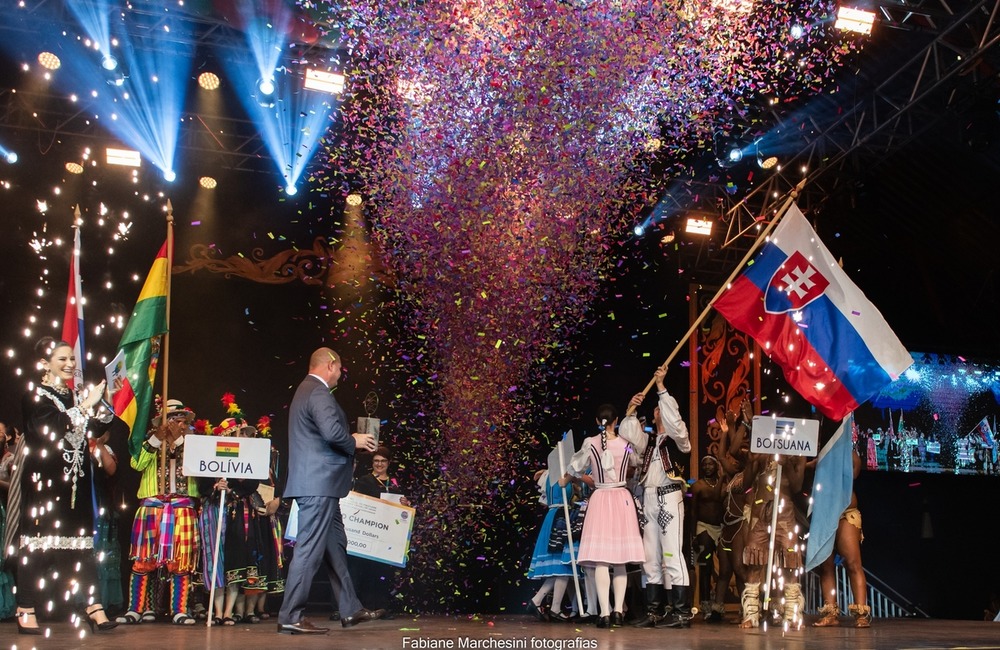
(320, 470)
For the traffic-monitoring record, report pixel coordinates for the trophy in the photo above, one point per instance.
(370, 424)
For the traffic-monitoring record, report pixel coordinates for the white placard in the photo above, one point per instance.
(785, 436)
(377, 530)
(560, 456)
(228, 457)
(116, 373)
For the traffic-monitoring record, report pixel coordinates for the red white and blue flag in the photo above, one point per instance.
(72, 331)
(835, 348)
(983, 434)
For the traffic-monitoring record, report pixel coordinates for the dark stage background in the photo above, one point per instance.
(918, 235)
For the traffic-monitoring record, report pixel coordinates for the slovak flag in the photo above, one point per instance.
(833, 345)
(984, 433)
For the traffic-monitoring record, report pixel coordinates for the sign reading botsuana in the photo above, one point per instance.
(786, 436)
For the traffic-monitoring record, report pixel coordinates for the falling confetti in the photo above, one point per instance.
(504, 147)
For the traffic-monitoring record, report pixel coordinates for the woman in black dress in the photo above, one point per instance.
(65, 431)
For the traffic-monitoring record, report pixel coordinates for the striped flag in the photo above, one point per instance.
(72, 331)
(227, 448)
(983, 434)
(832, 489)
(11, 535)
(833, 345)
(141, 346)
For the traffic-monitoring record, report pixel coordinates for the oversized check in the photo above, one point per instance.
(377, 530)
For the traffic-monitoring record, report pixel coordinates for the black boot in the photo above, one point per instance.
(654, 603)
(680, 615)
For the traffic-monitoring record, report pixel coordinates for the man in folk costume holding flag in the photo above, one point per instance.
(164, 532)
(833, 345)
(661, 475)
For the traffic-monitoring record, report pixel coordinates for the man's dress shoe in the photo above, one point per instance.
(302, 627)
(361, 616)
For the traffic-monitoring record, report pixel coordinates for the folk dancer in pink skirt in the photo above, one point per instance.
(610, 537)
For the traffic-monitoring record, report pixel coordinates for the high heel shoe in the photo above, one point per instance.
(25, 629)
(96, 626)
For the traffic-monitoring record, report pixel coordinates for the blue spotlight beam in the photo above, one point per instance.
(150, 102)
(8, 155)
(144, 110)
(291, 127)
(95, 18)
(265, 33)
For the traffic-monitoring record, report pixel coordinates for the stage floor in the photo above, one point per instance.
(489, 632)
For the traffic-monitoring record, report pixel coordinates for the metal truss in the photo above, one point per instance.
(875, 113)
(838, 136)
(218, 139)
(146, 17)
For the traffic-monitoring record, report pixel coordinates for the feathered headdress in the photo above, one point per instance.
(236, 420)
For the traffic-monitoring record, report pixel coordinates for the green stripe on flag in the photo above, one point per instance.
(141, 344)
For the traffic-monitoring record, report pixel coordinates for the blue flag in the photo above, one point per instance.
(831, 493)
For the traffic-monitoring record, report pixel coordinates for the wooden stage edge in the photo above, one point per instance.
(509, 632)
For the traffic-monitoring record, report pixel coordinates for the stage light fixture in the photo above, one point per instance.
(735, 155)
(170, 176)
(266, 86)
(208, 182)
(74, 168)
(291, 190)
(109, 62)
(49, 61)
(126, 157)
(322, 81)
(767, 162)
(209, 81)
(698, 226)
(354, 199)
(855, 20)
(796, 32)
(117, 78)
(10, 157)
(639, 230)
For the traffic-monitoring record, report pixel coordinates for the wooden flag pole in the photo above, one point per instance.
(166, 349)
(776, 496)
(569, 529)
(739, 267)
(215, 556)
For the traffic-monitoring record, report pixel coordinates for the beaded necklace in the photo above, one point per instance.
(74, 439)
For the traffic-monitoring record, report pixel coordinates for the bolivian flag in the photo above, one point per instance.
(141, 345)
(227, 448)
